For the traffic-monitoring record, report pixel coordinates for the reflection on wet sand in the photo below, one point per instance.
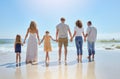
(79, 73)
(32, 72)
(90, 71)
(47, 73)
(18, 74)
(60, 72)
(65, 72)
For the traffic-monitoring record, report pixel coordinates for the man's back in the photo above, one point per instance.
(92, 34)
(63, 28)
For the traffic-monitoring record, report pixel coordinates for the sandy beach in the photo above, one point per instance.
(30, 20)
(105, 66)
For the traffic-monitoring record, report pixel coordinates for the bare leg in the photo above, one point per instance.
(60, 48)
(89, 58)
(16, 57)
(93, 57)
(65, 51)
(19, 58)
(46, 57)
(80, 56)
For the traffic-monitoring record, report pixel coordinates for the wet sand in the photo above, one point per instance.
(105, 66)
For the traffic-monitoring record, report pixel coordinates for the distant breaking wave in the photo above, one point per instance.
(109, 41)
(11, 41)
(6, 41)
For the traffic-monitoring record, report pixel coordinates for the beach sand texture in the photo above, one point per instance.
(105, 66)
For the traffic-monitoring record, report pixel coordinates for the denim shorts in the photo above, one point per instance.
(79, 44)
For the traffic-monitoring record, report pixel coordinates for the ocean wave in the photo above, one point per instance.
(109, 41)
(6, 41)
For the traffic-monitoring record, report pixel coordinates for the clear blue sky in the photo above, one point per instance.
(15, 16)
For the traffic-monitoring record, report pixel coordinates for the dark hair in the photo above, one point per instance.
(18, 39)
(62, 19)
(79, 23)
(47, 31)
(89, 22)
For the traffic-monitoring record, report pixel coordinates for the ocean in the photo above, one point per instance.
(7, 53)
(7, 45)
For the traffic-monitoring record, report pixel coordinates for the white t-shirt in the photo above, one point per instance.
(92, 34)
(63, 30)
(79, 31)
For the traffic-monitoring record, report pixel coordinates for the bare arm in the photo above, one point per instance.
(73, 35)
(85, 36)
(22, 44)
(38, 36)
(57, 34)
(42, 39)
(52, 38)
(26, 36)
(70, 33)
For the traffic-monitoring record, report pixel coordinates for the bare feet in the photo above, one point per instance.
(89, 58)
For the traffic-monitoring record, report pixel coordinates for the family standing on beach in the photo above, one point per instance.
(62, 31)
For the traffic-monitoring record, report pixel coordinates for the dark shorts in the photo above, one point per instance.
(18, 48)
(62, 41)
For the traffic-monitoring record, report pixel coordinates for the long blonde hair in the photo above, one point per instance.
(18, 39)
(33, 27)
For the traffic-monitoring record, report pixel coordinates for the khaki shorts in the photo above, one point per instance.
(62, 41)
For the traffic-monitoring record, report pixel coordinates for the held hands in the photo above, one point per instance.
(84, 38)
(24, 42)
(56, 40)
(39, 42)
(71, 39)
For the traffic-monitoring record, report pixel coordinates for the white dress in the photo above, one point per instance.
(32, 49)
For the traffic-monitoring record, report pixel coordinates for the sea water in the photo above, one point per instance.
(7, 49)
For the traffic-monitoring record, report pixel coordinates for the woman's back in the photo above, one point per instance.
(79, 31)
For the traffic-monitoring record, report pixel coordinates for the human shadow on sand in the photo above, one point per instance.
(12, 65)
(55, 63)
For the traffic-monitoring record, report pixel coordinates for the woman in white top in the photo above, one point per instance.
(78, 31)
(32, 49)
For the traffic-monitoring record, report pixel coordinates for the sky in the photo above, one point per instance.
(16, 15)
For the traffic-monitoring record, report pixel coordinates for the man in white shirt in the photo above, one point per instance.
(91, 35)
(62, 30)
